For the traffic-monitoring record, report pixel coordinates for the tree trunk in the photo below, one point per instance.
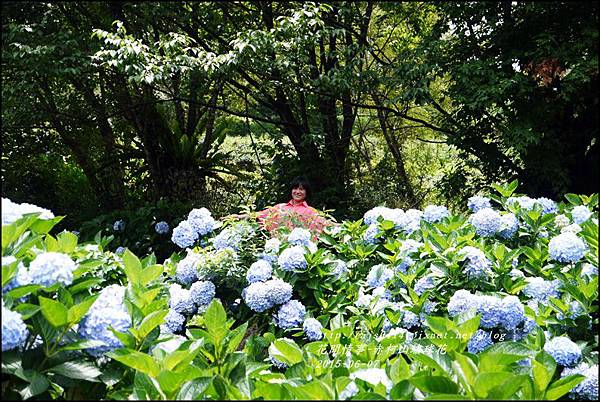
(394, 147)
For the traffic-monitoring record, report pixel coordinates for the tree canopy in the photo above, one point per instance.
(114, 104)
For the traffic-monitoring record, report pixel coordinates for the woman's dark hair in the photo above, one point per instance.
(301, 181)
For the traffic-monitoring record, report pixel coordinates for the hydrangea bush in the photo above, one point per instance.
(498, 303)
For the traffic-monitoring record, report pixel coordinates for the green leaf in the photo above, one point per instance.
(77, 370)
(86, 284)
(434, 384)
(150, 273)
(67, 242)
(399, 370)
(26, 310)
(465, 370)
(574, 199)
(182, 357)
(194, 389)
(126, 338)
(44, 226)
(314, 390)
(133, 267)
(77, 312)
(562, 386)
(83, 345)
(215, 320)
(286, 351)
(150, 322)
(8, 272)
(235, 337)
(136, 360)
(21, 291)
(38, 383)
(55, 312)
(484, 382)
(402, 391)
(541, 376)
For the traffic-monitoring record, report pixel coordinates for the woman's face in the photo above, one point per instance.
(298, 194)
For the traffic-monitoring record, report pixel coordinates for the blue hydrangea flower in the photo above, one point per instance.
(548, 205)
(462, 300)
(95, 326)
(340, 269)
(524, 202)
(406, 263)
(478, 265)
(435, 213)
(22, 278)
(120, 250)
(413, 220)
(187, 271)
(563, 350)
(410, 246)
(173, 322)
(180, 300)
(487, 222)
(588, 388)
(290, 315)
(184, 235)
(107, 311)
(480, 341)
(478, 202)
(257, 297)
(382, 293)
(509, 224)
(580, 214)
(278, 364)
(161, 227)
(201, 221)
(227, 238)
(512, 312)
(423, 284)
(379, 275)
(588, 270)
(299, 237)
(370, 217)
(371, 233)
(410, 320)
(271, 259)
(516, 274)
(387, 325)
(566, 247)
(279, 291)
(312, 329)
(260, 270)
(490, 308)
(119, 225)
(272, 246)
(292, 259)
(12, 211)
(14, 330)
(561, 221)
(350, 391)
(49, 268)
(523, 330)
(542, 290)
(202, 292)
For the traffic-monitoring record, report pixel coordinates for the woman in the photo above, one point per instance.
(300, 191)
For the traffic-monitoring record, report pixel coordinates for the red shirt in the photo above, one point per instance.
(280, 214)
(301, 208)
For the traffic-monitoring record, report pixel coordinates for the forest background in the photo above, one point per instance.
(143, 110)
